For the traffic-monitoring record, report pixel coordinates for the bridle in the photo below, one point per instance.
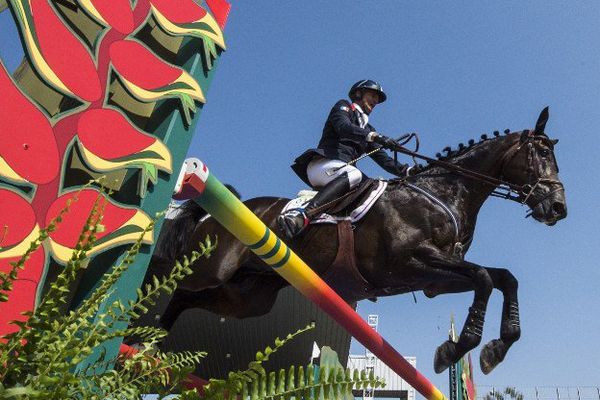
(525, 192)
(504, 189)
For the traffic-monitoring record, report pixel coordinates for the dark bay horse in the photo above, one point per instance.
(414, 238)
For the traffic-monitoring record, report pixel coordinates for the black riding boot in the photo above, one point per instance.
(293, 222)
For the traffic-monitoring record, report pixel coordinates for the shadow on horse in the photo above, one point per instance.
(414, 238)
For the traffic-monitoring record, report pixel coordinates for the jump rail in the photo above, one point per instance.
(198, 184)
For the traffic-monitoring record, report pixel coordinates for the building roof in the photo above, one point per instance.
(232, 343)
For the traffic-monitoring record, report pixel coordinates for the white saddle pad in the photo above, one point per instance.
(304, 196)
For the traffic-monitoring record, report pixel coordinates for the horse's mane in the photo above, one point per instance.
(462, 148)
(175, 233)
(449, 154)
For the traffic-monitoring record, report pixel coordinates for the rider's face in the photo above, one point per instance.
(368, 101)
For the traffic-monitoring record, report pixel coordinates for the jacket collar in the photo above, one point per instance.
(363, 118)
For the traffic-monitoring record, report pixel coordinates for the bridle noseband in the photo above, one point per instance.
(522, 193)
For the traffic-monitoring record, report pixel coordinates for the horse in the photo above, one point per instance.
(414, 238)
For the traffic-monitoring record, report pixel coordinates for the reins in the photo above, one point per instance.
(463, 171)
(402, 140)
(503, 189)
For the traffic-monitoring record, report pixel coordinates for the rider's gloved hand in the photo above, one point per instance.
(385, 141)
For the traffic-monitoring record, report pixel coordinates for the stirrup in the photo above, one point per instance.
(293, 222)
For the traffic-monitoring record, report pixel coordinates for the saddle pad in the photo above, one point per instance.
(360, 211)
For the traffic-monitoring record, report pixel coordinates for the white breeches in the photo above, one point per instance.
(321, 171)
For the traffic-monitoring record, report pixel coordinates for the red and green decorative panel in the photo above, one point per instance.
(107, 88)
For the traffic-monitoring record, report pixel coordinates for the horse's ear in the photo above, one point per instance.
(540, 125)
(554, 141)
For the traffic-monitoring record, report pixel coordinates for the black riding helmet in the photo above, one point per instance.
(367, 84)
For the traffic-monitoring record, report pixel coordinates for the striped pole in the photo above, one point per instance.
(221, 204)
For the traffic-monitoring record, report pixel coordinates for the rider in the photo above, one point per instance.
(346, 136)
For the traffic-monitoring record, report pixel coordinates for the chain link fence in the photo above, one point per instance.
(544, 392)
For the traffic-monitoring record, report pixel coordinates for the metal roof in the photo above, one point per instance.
(232, 343)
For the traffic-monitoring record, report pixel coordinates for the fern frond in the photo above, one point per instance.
(110, 278)
(254, 374)
(156, 371)
(6, 280)
(146, 298)
(27, 334)
(53, 302)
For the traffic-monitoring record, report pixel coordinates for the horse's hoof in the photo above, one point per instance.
(491, 355)
(445, 356)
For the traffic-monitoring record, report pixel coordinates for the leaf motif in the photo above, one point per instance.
(22, 296)
(150, 79)
(32, 154)
(116, 14)
(220, 9)
(121, 224)
(57, 54)
(149, 173)
(108, 141)
(17, 224)
(187, 18)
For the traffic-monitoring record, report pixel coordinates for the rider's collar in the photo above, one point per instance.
(364, 118)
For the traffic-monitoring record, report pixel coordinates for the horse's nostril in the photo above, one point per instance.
(558, 208)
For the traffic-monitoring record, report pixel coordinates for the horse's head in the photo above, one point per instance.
(532, 164)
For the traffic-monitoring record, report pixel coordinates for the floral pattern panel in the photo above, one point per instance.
(74, 105)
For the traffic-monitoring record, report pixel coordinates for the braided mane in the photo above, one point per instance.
(462, 148)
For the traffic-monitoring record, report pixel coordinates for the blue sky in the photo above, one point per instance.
(452, 71)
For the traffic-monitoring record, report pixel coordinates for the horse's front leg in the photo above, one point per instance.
(510, 330)
(494, 352)
(450, 352)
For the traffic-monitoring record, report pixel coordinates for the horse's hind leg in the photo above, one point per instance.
(510, 330)
(181, 301)
(440, 263)
(242, 297)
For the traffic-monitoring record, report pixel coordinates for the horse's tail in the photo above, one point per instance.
(174, 235)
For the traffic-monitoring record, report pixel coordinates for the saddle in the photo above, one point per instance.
(342, 275)
(354, 205)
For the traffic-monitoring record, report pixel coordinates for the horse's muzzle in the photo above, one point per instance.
(550, 212)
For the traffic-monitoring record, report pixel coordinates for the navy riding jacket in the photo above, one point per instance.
(343, 139)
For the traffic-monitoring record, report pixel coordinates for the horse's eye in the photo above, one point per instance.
(544, 153)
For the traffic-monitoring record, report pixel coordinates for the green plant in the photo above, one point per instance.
(256, 383)
(507, 393)
(42, 358)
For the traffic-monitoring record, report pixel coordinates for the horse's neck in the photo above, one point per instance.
(463, 195)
